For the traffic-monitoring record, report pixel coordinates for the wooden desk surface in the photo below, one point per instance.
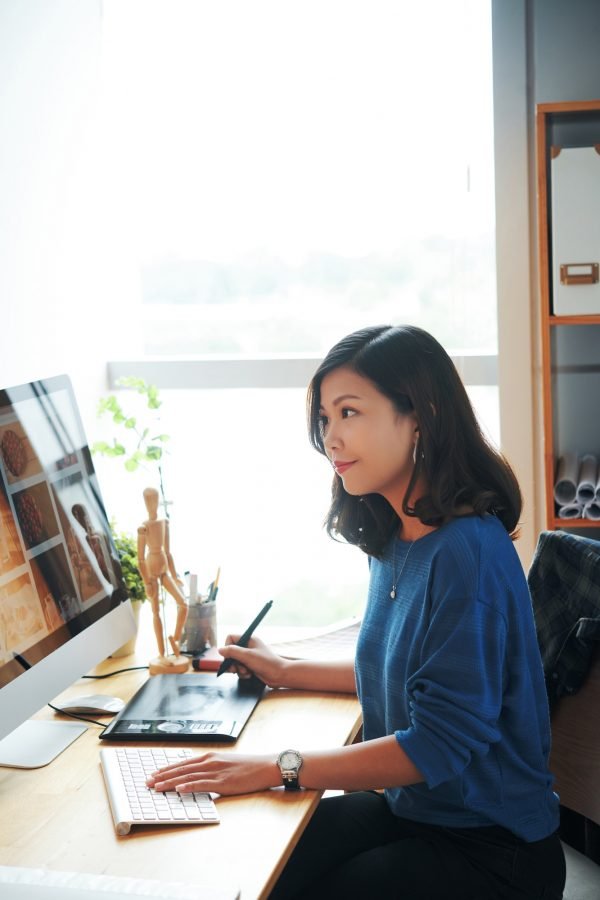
(58, 817)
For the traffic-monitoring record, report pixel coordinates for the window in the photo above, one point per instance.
(287, 173)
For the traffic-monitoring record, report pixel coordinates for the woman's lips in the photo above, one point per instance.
(341, 467)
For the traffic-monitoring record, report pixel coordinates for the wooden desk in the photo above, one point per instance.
(58, 817)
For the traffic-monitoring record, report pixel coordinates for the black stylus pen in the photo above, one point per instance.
(243, 641)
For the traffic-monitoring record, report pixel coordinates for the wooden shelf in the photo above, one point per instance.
(572, 523)
(577, 124)
(569, 106)
(574, 320)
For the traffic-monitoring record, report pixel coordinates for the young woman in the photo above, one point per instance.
(447, 668)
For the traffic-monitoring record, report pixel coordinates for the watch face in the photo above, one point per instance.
(289, 759)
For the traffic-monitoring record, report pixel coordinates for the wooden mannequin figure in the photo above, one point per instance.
(158, 569)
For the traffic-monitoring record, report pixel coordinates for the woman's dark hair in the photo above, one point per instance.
(460, 467)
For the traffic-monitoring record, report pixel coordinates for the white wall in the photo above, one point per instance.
(515, 375)
(58, 311)
(563, 47)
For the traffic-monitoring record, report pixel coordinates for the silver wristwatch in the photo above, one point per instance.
(290, 763)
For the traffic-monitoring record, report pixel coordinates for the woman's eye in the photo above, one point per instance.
(346, 413)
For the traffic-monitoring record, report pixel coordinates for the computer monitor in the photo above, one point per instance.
(63, 603)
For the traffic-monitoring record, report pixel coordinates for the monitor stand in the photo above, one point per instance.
(36, 743)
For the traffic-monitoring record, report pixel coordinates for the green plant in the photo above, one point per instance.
(126, 547)
(139, 444)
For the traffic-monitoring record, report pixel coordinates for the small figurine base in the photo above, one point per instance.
(168, 665)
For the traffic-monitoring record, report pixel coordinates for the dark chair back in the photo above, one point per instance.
(575, 757)
(575, 764)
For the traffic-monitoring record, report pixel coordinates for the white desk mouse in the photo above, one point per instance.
(93, 704)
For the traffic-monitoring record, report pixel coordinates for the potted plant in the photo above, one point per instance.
(126, 547)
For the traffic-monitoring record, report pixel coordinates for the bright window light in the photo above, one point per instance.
(282, 174)
(288, 172)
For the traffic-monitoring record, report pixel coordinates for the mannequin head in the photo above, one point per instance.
(81, 515)
(151, 501)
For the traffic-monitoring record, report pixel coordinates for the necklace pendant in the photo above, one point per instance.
(393, 593)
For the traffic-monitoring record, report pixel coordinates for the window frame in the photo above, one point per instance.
(290, 371)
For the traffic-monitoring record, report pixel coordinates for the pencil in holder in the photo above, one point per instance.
(200, 630)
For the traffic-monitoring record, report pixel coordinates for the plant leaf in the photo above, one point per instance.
(131, 381)
(153, 401)
(100, 447)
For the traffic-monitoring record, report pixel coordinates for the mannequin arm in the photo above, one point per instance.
(170, 560)
(141, 552)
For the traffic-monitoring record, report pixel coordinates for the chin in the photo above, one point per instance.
(354, 490)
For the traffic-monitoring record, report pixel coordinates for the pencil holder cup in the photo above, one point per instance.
(200, 629)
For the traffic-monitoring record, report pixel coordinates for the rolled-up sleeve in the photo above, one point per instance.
(455, 696)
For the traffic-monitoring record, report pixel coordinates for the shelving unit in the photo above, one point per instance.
(570, 343)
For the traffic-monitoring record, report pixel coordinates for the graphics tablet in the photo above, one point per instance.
(187, 708)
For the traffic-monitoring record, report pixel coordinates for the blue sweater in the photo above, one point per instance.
(452, 668)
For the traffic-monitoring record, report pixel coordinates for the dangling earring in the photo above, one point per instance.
(416, 452)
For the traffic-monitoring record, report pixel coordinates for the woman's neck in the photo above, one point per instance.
(411, 528)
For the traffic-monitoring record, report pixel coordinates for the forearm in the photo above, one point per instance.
(280, 672)
(336, 677)
(367, 766)
(364, 766)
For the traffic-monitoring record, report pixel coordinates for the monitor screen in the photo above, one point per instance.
(63, 602)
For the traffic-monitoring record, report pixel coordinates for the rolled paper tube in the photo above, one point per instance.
(570, 511)
(592, 511)
(565, 485)
(586, 486)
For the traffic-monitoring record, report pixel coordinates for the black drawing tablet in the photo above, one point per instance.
(187, 708)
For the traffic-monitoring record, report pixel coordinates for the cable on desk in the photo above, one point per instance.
(71, 715)
(63, 712)
(117, 672)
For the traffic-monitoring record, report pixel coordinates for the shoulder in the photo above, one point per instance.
(474, 540)
(143, 529)
(475, 555)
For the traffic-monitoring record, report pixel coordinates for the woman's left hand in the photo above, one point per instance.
(221, 773)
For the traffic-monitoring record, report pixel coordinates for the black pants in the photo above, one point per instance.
(354, 847)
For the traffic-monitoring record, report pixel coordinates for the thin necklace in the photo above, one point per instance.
(396, 580)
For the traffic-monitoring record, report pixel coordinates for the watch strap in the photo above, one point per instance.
(290, 781)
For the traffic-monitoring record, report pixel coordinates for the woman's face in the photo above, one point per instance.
(369, 443)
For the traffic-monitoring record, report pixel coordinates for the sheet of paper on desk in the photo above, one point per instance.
(46, 884)
(334, 642)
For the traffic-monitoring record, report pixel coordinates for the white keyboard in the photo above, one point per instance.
(125, 772)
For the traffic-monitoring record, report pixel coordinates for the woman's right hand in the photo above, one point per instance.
(255, 659)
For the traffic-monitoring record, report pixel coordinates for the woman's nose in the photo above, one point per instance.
(331, 440)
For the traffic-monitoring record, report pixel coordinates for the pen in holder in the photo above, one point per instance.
(200, 629)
